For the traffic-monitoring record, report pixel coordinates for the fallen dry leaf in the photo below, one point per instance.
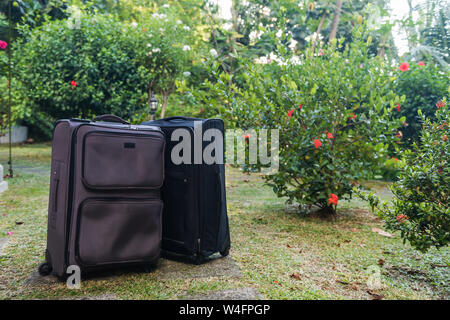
(375, 296)
(342, 281)
(354, 287)
(382, 232)
(381, 262)
(355, 229)
(295, 275)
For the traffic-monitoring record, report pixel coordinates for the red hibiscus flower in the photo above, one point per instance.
(3, 45)
(73, 84)
(317, 143)
(404, 66)
(421, 63)
(401, 218)
(300, 106)
(353, 116)
(333, 199)
(395, 159)
(246, 137)
(398, 107)
(290, 113)
(330, 135)
(440, 104)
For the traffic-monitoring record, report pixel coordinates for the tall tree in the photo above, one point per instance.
(428, 31)
(336, 17)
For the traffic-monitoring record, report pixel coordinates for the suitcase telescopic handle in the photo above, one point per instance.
(110, 118)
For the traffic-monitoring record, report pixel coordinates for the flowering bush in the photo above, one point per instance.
(93, 65)
(77, 69)
(3, 45)
(420, 209)
(423, 86)
(390, 169)
(162, 50)
(335, 115)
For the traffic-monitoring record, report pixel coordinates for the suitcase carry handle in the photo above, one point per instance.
(110, 118)
(178, 118)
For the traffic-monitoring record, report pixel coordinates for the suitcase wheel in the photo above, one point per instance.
(44, 269)
(198, 259)
(225, 252)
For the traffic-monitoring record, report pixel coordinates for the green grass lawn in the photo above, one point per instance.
(281, 253)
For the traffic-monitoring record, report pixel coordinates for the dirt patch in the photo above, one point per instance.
(216, 267)
(106, 296)
(416, 279)
(36, 279)
(234, 294)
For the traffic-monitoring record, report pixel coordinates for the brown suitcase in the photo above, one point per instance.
(104, 205)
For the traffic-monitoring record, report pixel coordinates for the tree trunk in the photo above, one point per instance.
(327, 211)
(165, 97)
(382, 46)
(319, 29)
(234, 16)
(410, 30)
(381, 52)
(335, 23)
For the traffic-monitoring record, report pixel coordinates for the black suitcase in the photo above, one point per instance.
(105, 207)
(195, 221)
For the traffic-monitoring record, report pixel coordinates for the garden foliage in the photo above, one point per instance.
(90, 65)
(420, 208)
(336, 114)
(423, 85)
(77, 68)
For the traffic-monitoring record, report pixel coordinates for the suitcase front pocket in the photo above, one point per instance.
(111, 231)
(113, 160)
